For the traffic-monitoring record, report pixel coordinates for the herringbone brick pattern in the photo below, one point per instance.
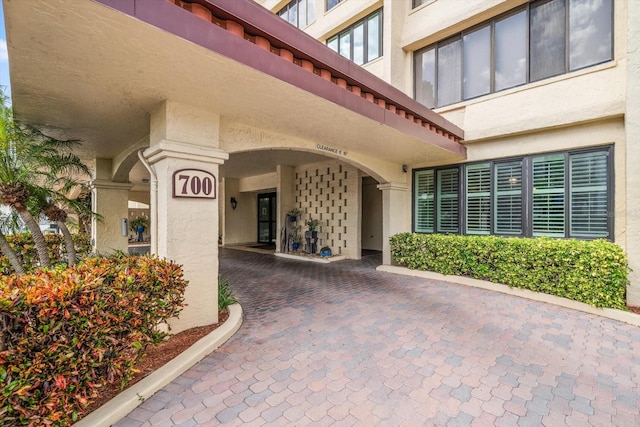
(342, 344)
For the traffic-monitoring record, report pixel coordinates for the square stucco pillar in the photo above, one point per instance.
(110, 200)
(286, 199)
(185, 139)
(632, 130)
(395, 214)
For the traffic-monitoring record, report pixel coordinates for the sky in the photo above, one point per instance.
(4, 60)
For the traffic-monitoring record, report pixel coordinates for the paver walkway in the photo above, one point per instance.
(342, 344)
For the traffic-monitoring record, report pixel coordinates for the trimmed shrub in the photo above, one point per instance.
(69, 331)
(24, 247)
(593, 272)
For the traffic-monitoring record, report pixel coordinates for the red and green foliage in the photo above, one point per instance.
(69, 331)
(23, 245)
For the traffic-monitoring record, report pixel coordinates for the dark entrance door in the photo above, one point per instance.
(267, 218)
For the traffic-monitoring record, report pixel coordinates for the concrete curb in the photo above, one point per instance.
(118, 407)
(610, 313)
(311, 259)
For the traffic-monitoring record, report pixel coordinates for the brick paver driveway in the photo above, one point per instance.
(342, 344)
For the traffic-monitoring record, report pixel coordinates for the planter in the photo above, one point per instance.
(325, 252)
(293, 218)
(295, 246)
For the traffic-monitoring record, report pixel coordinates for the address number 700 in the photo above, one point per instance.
(194, 183)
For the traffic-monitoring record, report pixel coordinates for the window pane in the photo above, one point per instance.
(477, 62)
(345, 44)
(302, 13)
(547, 39)
(332, 3)
(425, 64)
(478, 181)
(293, 13)
(590, 24)
(373, 37)
(423, 202)
(511, 51)
(447, 201)
(588, 186)
(548, 195)
(508, 198)
(311, 11)
(333, 43)
(358, 44)
(449, 73)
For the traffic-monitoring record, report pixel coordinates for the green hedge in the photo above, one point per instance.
(68, 331)
(593, 272)
(24, 247)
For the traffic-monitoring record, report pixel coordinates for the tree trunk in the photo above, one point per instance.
(11, 254)
(37, 236)
(68, 243)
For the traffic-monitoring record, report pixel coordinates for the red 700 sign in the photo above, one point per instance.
(194, 183)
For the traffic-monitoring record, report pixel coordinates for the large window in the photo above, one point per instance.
(566, 194)
(545, 38)
(362, 41)
(299, 12)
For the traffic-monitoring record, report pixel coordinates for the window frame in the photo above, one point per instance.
(526, 193)
(365, 39)
(326, 5)
(491, 23)
(287, 7)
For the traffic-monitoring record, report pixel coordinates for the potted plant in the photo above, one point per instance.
(138, 225)
(297, 239)
(312, 235)
(325, 251)
(293, 214)
(313, 225)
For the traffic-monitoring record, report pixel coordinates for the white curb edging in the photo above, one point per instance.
(118, 407)
(610, 313)
(325, 260)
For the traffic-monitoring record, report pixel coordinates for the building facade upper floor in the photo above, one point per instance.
(492, 67)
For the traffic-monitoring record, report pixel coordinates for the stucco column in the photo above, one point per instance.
(186, 228)
(110, 201)
(286, 198)
(632, 130)
(395, 214)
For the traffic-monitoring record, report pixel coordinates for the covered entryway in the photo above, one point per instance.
(180, 86)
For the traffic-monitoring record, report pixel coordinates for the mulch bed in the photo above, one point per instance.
(156, 356)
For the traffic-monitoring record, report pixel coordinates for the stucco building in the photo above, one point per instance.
(374, 117)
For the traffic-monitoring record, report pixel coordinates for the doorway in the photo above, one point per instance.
(267, 218)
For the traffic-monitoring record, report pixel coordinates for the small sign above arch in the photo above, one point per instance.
(194, 183)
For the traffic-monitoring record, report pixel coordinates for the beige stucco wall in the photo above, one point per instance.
(632, 129)
(371, 215)
(241, 224)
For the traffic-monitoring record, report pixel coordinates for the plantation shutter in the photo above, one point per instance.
(549, 195)
(508, 198)
(447, 198)
(423, 202)
(589, 201)
(478, 198)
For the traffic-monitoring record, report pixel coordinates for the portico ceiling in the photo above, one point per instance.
(81, 69)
